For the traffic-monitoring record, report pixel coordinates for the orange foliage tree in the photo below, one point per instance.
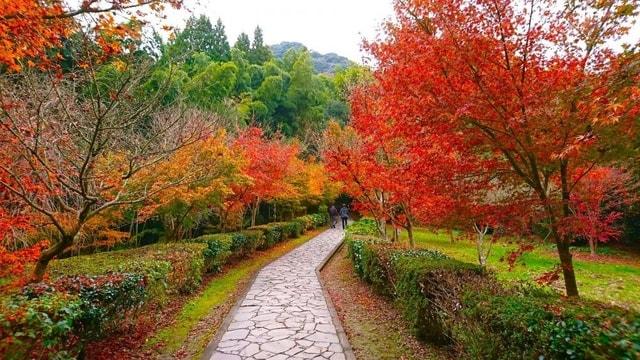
(215, 168)
(270, 166)
(30, 28)
(84, 148)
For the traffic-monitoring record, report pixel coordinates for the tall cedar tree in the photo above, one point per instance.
(259, 53)
(243, 43)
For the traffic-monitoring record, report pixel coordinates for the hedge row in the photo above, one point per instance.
(453, 303)
(91, 295)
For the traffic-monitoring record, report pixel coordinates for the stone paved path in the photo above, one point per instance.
(285, 315)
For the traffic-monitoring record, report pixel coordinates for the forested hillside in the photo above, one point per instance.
(245, 83)
(323, 63)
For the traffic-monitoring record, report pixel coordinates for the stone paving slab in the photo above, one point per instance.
(285, 315)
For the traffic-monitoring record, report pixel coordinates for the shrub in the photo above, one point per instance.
(219, 248)
(370, 262)
(540, 323)
(186, 259)
(456, 303)
(306, 222)
(106, 300)
(58, 319)
(30, 327)
(168, 268)
(363, 226)
(272, 234)
(289, 229)
(319, 220)
(255, 238)
(429, 288)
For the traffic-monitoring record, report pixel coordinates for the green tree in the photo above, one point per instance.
(306, 94)
(208, 88)
(259, 53)
(200, 36)
(243, 79)
(221, 49)
(243, 43)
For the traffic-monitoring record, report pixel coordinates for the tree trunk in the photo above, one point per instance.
(564, 253)
(592, 246)
(382, 228)
(47, 255)
(481, 231)
(383, 223)
(451, 238)
(410, 232)
(254, 212)
(567, 267)
(275, 212)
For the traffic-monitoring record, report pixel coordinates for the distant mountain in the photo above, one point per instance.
(323, 63)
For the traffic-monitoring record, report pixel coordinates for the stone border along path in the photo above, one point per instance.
(286, 313)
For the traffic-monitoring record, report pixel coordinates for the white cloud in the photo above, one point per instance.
(325, 26)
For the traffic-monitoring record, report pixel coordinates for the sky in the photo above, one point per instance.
(324, 26)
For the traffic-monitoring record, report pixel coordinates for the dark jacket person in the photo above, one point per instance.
(344, 215)
(333, 214)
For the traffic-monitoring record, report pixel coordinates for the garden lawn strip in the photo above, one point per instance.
(200, 318)
(613, 282)
(376, 330)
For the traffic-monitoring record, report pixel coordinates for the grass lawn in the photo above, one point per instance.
(200, 318)
(612, 278)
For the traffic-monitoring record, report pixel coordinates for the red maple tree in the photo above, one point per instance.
(535, 88)
(30, 28)
(270, 165)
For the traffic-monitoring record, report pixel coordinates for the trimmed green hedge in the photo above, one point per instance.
(272, 234)
(169, 268)
(453, 303)
(219, 249)
(90, 295)
(56, 319)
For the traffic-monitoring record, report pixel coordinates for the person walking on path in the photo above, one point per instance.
(333, 214)
(344, 215)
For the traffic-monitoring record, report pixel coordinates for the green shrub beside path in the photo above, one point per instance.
(88, 296)
(461, 305)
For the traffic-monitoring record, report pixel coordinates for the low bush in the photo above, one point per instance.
(56, 319)
(291, 229)
(363, 226)
(429, 288)
(88, 296)
(219, 248)
(539, 323)
(187, 263)
(272, 234)
(168, 268)
(449, 302)
(255, 238)
(156, 272)
(319, 220)
(370, 262)
(306, 222)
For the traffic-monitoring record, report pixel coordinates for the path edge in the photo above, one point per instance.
(213, 344)
(342, 335)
